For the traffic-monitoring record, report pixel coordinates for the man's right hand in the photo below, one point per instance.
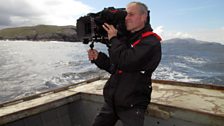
(92, 54)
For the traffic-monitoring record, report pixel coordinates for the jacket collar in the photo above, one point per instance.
(132, 37)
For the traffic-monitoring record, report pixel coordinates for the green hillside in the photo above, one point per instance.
(40, 32)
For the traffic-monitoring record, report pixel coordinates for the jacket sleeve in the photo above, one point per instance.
(103, 62)
(144, 56)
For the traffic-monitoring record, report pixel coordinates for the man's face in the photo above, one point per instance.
(134, 20)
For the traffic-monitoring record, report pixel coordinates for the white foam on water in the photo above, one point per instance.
(166, 73)
(193, 59)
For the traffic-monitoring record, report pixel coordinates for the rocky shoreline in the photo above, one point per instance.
(40, 33)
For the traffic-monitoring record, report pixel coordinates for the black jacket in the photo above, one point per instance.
(132, 86)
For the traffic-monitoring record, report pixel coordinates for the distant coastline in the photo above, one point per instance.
(40, 33)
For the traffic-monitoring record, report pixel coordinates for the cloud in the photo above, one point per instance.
(182, 35)
(170, 34)
(159, 30)
(4, 20)
(210, 35)
(32, 12)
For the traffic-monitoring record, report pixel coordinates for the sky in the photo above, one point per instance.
(197, 19)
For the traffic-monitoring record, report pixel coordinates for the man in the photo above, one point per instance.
(131, 62)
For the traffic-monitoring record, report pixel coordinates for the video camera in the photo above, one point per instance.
(89, 27)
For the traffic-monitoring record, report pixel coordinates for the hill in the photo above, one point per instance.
(40, 32)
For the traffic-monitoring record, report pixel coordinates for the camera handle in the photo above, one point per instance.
(91, 47)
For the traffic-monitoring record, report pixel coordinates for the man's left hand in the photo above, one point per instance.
(111, 31)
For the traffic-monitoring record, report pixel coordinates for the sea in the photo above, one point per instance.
(31, 67)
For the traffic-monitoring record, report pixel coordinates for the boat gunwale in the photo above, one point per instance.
(190, 84)
(39, 108)
(55, 90)
(84, 96)
(168, 107)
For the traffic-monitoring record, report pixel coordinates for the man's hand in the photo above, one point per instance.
(111, 31)
(92, 54)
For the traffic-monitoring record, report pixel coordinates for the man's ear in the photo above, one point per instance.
(145, 18)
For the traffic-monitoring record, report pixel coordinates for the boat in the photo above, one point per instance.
(172, 104)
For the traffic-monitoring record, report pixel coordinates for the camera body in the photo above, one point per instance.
(89, 27)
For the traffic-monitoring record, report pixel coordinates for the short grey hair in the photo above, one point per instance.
(143, 8)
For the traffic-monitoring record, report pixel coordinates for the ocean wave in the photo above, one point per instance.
(31, 67)
(192, 59)
(167, 73)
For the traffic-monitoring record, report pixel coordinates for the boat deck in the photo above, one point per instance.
(205, 100)
(169, 100)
